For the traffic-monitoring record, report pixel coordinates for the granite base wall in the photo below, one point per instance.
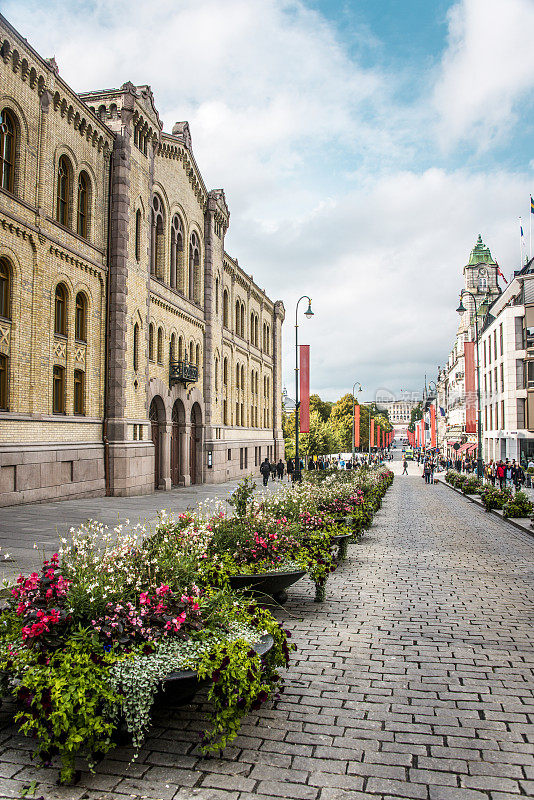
(131, 468)
(40, 473)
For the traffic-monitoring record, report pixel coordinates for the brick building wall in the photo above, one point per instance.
(149, 263)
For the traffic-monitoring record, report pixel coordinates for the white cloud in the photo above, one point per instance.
(327, 193)
(487, 72)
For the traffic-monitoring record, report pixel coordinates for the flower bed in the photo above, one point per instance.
(88, 644)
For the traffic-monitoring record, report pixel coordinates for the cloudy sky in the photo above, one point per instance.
(362, 146)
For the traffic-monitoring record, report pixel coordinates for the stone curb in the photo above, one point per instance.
(473, 498)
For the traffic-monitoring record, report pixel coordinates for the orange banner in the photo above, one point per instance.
(356, 426)
(372, 433)
(470, 388)
(304, 375)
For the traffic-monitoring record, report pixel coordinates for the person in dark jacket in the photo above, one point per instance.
(265, 470)
(290, 468)
(311, 463)
(280, 470)
(272, 467)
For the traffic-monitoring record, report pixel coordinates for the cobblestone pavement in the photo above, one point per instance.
(413, 680)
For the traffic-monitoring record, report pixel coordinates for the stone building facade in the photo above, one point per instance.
(135, 353)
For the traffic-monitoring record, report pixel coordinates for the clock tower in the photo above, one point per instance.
(481, 279)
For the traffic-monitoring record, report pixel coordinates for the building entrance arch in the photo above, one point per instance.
(178, 423)
(195, 445)
(156, 416)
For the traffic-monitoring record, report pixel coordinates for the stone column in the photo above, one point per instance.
(165, 445)
(185, 435)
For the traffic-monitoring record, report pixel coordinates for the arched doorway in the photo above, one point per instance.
(156, 417)
(195, 445)
(178, 421)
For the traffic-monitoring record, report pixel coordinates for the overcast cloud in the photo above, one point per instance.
(341, 183)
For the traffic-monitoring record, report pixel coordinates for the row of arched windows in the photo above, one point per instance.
(240, 321)
(189, 282)
(61, 314)
(240, 318)
(59, 391)
(178, 349)
(73, 202)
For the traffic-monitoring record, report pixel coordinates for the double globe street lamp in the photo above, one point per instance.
(461, 310)
(308, 314)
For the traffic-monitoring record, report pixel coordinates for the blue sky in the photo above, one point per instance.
(362, 146)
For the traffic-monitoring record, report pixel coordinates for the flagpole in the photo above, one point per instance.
(530, 227)
(520, 243)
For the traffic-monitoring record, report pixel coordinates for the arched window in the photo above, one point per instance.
(237, 318)
(252, 328)
(151, 342)
(216, 374)
(8, 142)
(242, 320)
(180, 349)
(191, 353)
(237, 374)
(225, 308)
(160, 345)
(177, 247)
(225, 412)
(58, 390)
(172, 348)
(4, 383)
(242, 377)
(194, 268)
(157, 254)
(5, 289)
(136, 347)
(264, 337)
(267, 339)
(197, 355)
(60, 310)
(64, 187)
(83, 205)
(79, 391)
(80, 327)
(216, 295)
(225, 372)
(138, 218)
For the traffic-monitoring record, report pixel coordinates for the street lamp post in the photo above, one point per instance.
(353, 407)
(308, 313)
(461, 310)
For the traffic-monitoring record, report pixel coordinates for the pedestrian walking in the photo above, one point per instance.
(404, 467)
(265, 470)
(501, 476)
(290, 469)
(272, 469)
(280, 470)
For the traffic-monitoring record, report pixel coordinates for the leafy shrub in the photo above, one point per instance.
(518, 506)
(493, 497)
(472, 485)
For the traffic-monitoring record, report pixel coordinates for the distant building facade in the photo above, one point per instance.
(399, 412)
(135, 353)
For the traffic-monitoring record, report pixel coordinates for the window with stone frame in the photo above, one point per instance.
(194, 268)
(79, 392)
(160, 345)
(84, 198)
(80, 320)
(177, 253)
(58, 390)
(8, 149)
(157, 244)
(225, 309)
(6, 275)
(151, 342)
(136, 347)
(138, 222)
(64, 192)
(4, 382)
(60, 310)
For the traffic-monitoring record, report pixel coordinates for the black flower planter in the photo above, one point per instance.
(273, 584)
(342, 540)
(179, 688)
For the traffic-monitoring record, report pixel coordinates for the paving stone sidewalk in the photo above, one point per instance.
(413, 680)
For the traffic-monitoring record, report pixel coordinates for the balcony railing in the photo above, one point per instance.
(183, 371)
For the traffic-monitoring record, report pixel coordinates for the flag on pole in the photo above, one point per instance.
(499, 270)
(531, 205)
(304, 376)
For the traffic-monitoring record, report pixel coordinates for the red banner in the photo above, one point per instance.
(356, 426)
(433, 437)
(470, 388)
(304, 376)
(372, 433)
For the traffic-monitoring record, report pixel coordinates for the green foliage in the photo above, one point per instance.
(415, 415)
(65, 696)
(472, 485)
(518, 506)
(241, 498)
(493, 497)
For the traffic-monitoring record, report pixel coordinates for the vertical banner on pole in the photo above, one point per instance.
(372, 433)
(304, 376)
(356, 426)
(470, 388)
(433, 438)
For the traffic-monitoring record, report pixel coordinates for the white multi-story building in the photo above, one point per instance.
(399, 412)
(506, 350)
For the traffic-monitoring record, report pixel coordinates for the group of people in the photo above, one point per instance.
(500, 473)
(273, 470)
(505, 474)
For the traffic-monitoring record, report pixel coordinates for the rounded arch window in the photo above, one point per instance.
(172, 348)
(8, 143)
(225, 372)
(81, 317)
(5, 288)
(160, 345)
(136, 347)
(194, 268)
(84, 194)
(225, 308)
(64, 188)
(151, 342)
(138, 220)
(177, 247)
(60, 310)
(157, 238)
(197, 355)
